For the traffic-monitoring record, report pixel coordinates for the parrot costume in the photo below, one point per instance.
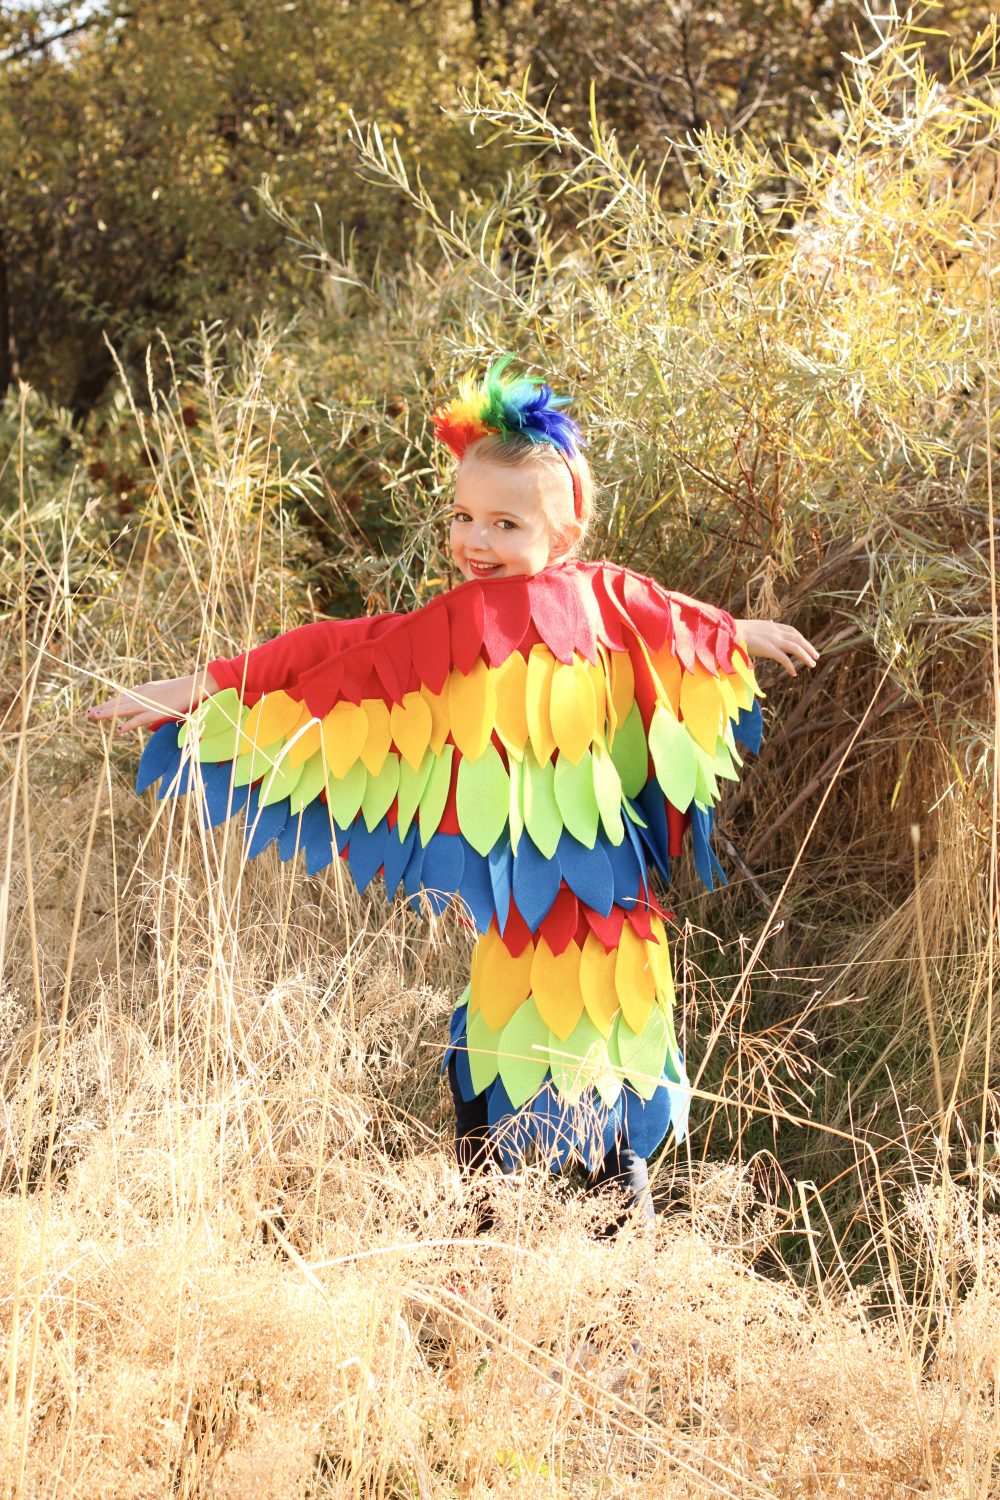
(533, 748)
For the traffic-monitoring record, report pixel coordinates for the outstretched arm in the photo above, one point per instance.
(167, 698)
(777, 642)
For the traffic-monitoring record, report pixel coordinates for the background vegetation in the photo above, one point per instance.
(242, 253)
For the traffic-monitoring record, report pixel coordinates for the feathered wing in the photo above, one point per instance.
(532, 747)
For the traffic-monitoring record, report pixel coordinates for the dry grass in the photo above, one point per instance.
(236, 1255)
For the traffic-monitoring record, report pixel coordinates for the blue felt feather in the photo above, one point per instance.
(645, 1122)
(535, 884)
(500, 861)
(366, 852)
(702, 821)
(477, 888)
(397, 855)
(444, 862)
(160, 752)
(749, 727)
(317, 837)
(264, 825)
(221, 799)
(587, 872)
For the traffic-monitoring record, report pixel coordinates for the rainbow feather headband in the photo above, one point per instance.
(510, 406)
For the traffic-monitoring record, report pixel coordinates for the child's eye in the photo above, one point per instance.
(508, 525)
(461, 515)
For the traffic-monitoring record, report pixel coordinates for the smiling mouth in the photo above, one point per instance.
(478, 567)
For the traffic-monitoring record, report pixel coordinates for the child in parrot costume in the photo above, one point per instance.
(534, 744)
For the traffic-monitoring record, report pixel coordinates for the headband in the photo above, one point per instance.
(508, 407)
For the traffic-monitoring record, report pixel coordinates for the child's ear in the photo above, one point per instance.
(565, 540)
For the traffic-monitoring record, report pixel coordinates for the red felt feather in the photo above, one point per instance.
(466, 615)
(610, 611)
(507, 617)
(683, 636)
(323, 686)
(430, 643)
(609, 928)
(554, 612)
(645, 608)
(517, 934)
(558, 926)
(677, 822)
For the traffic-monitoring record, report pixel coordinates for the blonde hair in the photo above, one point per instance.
(515, 452)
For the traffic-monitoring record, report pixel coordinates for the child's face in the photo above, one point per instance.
(500, 526)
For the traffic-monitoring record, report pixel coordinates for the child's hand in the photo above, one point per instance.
(169, 699)
(777, 642)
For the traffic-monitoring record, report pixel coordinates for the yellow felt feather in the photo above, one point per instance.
(512, 714)
(305, 744)
(622, 684)
(701, 707)
(537, 692)
(345, 730)
(411, 723)
(634, 979)
(572, 710)
(730, 706)
(597, 984)
(274, 717)
(555, 987)
(379, 737)
(659, 957)
(599, 688)
(671, 675)
(440, 721)
(472, 709)
(503, 982)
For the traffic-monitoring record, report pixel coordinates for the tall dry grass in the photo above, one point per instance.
(237, 1257)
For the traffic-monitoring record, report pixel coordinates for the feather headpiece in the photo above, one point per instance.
(510, 406)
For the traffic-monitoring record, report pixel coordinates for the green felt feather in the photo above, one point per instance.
(630, 753)
(380, 791)
(675, 758)
(706, 788)
(642, 1057)
(254, 764)
(412, 784)
(344, 794)
(482, 799)
(542, 817)
(608, 792)
(311, 783)
(280, 783)
(482, 1052)
(581, 1062)
(522, 1053)
(218, 747)
(222, 711)
(723, 765)
(634, 818)
(432, 803)
(515, 810)
(219, 718)
(576, 799)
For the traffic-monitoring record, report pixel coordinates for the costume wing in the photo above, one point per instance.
(531, 746)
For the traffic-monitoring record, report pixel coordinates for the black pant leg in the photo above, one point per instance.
(625, 1172)
(474, 1147)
